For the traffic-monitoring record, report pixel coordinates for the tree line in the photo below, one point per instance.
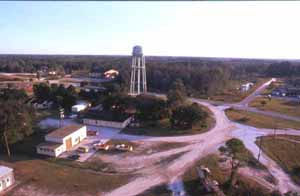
(201, 76)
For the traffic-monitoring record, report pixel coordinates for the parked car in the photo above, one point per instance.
(101, 146)
(124, 147)
(83, 149)
(74, 157)
(72, 116)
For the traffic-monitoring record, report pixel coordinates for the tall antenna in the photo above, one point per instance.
(138, 82)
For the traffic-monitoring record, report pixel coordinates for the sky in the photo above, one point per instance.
(204, 29)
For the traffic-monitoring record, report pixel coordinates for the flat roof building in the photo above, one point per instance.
(62, 139)
(6, 178)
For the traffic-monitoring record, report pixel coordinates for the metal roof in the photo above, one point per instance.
(64, 131)
(5, 170)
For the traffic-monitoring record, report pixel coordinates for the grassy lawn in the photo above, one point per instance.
(58, 179)
(291, 108)
(191, 180)
(161, 190)
(42, 114)
(259, 120)
(163, 128)
(231, 94)
(272, 86)
(285, 153)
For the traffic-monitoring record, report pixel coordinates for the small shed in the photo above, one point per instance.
(6, 178)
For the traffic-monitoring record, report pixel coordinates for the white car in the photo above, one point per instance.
(72, 116)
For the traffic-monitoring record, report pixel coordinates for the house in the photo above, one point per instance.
(6, 178)
(107, 119)
(111, 74)
(42, 105)
(95, 74)
(246, 87)
(62, 139)
(89, 88)
(80, 106)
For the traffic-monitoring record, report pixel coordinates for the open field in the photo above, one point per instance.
(272, 86)
(41, 177)
(163, 128)
(291, 108)
(231, 94)
(285, 153)
(259, 120)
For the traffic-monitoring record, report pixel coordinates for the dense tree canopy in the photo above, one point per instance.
(200, 76)
(15, 117)
(185, 116)
(61, 96)
(151, 108)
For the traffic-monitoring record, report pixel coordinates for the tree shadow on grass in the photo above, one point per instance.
(243, 120)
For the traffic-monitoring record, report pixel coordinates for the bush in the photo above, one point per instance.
(185, 117)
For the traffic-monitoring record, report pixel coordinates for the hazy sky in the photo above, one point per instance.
(211, 29)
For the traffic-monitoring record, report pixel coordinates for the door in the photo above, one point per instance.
(1, 185)
(69, 143)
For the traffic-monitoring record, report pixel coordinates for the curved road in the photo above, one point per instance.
(199, 146)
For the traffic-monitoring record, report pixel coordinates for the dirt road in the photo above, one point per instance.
(199, 146)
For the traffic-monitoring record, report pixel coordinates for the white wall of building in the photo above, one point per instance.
(6, 181)
(103, 123)
(76, 138)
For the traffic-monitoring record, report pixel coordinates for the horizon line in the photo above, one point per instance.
(178, 56)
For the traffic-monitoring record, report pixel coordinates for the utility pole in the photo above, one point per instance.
(6, 143)
(275, 129)
(260, 144)
(61, 116)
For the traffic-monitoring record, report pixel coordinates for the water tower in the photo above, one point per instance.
(138, 82)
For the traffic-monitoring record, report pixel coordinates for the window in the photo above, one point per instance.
(7, 180)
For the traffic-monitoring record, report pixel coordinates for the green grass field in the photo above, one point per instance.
(285, 153)
(59, 179)
(231, 94)
(259, 120)
(291, 108)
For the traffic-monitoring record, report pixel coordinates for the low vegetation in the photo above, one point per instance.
(244, 186)
(161, 190)
(191, 180)
(285, 153)
(233, 93)
(259, 120)
(290, 108)
(57, 179)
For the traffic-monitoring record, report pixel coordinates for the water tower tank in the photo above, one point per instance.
(137, 51)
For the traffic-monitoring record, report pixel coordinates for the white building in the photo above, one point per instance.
(111, 74)
(246, 87)
(6, 178)
(62, 139)
(80, 106)
(106, 123)
(107, 119)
